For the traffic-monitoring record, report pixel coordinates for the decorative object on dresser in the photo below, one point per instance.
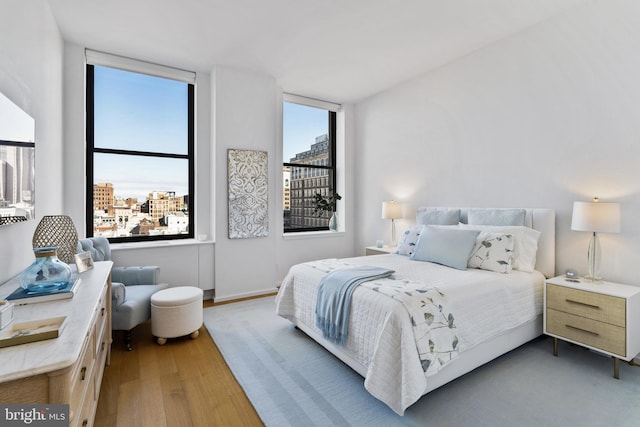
(67, 369)
(131, 289)
(595, 217)
(392, 210)
(58, 231)
(603, 317)
(46, 274)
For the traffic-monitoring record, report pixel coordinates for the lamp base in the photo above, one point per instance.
(592, 279)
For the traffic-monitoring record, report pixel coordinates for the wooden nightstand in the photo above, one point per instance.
(373, 250)
(602, 316)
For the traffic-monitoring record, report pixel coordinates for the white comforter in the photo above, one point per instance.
(381, 339)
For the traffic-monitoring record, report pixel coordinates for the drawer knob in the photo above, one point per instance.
(582, 303)
(102, 312)
(582, 330)
(85, 423)
(83, 372)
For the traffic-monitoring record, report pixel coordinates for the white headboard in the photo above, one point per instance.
(543, 220)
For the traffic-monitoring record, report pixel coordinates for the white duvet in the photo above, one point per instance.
(380, 336)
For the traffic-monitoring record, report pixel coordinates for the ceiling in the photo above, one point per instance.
(335, 50)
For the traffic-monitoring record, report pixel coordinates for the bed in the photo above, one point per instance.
(466, 317)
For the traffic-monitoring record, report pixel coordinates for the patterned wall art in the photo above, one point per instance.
(248, 194)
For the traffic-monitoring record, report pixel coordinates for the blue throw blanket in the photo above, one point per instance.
(334, 299)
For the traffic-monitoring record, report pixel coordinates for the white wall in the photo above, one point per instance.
(31, 76)
(247, 114)
(540, 119)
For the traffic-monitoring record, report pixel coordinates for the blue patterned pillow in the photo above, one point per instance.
(408, 240)
(493, 252)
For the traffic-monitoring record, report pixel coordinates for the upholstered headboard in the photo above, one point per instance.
(543, 220)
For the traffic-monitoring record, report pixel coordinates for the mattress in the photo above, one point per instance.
(381, 336)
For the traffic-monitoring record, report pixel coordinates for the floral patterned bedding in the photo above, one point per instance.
(405, 329)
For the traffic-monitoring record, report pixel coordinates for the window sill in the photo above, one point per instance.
(312, 235)
(158, 244)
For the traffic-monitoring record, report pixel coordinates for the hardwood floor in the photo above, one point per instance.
(182, 383)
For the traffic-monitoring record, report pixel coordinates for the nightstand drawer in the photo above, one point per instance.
(604, 308)
(596, 334)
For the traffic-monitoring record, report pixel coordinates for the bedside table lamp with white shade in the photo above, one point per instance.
(597, 218)
(392, 210)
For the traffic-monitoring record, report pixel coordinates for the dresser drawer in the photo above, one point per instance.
(604, 308)
(100, 324)
(591, 332)
(81, 377)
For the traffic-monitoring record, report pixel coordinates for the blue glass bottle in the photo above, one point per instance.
(47, 273)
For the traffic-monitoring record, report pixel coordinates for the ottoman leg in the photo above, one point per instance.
(195, 334)
(162, 341)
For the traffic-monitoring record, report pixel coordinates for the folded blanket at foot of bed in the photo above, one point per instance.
(334, 299)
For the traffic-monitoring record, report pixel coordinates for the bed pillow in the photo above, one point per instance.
(438, 216)
(496, 216)
(408, 240)
(493, 251)
(446, 246)
(524, 248)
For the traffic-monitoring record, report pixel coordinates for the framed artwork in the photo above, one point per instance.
(248, 194)
(84, 261)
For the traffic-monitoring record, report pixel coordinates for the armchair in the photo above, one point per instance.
(131, 288)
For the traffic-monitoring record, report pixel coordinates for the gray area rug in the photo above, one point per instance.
(292, 381)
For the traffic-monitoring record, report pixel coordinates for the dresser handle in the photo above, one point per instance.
(583, 330)
(85, 423)
(83, 372)
(102, 312)
(597, 307)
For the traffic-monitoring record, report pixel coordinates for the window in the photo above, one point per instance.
(140, 150)
(309, 161)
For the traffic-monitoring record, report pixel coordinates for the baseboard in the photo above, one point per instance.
(263, 292)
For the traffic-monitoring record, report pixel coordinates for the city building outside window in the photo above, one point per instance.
(309, 162)
(140, 150)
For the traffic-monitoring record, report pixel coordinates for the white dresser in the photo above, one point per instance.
(67, 369)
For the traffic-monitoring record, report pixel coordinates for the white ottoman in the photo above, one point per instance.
(176, 312)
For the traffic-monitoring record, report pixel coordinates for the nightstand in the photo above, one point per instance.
(373, 250)
(601, 316)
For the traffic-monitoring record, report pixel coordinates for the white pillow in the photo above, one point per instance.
(525, 247)
(493, 252)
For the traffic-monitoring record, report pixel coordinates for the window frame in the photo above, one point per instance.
(333, 164)
(125, 64)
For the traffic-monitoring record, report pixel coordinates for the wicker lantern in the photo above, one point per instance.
(57, 230)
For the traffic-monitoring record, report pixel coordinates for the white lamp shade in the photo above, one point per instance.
(391, 210)
(596, 216)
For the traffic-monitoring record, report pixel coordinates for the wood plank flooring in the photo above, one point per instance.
(182, 383)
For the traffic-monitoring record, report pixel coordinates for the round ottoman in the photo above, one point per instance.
(176, 312)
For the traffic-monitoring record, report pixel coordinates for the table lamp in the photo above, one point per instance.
(392, 210)
(597, 218)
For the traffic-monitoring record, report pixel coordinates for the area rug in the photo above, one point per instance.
(293, 381)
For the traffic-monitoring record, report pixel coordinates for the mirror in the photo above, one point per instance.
(17, 163)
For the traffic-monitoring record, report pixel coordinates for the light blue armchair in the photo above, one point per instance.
(131, 288)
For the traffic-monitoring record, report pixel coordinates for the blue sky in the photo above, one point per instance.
(139, 112)
(301, 126)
